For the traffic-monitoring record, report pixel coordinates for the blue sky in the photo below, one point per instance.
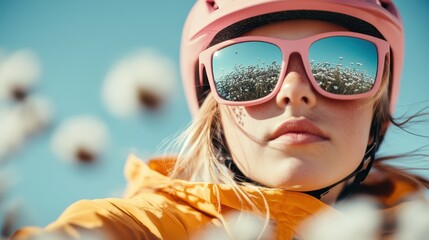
(77, 43)
(250, 53)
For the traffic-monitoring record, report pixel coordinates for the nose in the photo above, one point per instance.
(296, 89)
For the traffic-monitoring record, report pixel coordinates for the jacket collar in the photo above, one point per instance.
(287, 208)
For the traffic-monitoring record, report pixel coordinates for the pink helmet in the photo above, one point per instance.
(213, 21)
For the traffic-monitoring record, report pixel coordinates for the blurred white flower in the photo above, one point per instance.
(10, 219)
(12, 132)
(18, 73)
(413, 221)
(35, 113)
(19, 121)
(7, 179)
(81, 139)
(241, 225)
(361, 220)
(142, 80)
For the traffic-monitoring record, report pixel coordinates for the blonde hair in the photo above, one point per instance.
(197, 160)
(200, 159)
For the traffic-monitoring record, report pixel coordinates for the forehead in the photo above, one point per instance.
(294, 29)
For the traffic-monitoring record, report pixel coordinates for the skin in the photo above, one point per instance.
(304, 166)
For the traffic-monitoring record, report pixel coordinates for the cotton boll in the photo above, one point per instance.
(36, 113)
(5, 183)
(10, 219)
(413, 221)
(247, 226)
(18, 121)
(241, 225)
(360, 220)
(155, 72)
(18, 73)
(80, 139)
(12, 132)
(143, 80)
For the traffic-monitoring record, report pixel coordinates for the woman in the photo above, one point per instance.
(291, 100)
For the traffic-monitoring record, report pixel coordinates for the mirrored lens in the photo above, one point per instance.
(246, 71)
(344, 65)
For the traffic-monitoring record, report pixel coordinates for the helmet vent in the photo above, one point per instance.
(388, 5)
(385, 4)
(212, 4)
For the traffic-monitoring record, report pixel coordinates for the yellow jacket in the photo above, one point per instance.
(158, 207)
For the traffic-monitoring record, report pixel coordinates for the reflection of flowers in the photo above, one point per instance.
(335, 78)
(18, 122)
(81, 139)
(248, 82)
(18, 73)
(251, 82)
(140, 81)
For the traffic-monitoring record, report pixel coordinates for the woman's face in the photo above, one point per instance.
(299, 140)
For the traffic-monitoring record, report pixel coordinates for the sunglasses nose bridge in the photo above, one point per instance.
(294, 50)
(294, 84)
(295, 58)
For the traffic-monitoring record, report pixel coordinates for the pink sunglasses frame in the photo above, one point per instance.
(287, 47)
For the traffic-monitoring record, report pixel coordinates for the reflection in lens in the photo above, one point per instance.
(247, 83)
(246, 71)
(344, 65)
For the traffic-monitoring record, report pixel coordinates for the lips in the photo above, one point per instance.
(297, 131)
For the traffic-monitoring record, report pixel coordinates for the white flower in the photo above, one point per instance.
(413, 221)
(18, 73)
(81, 139)
(12, 132)
(142, 80)
(19, 121)
(36, 113)
(360, 220)
(241, 225)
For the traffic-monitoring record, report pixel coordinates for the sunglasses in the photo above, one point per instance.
(250, 70)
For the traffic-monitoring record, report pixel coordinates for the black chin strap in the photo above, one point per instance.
(359, 173)
(362, 173)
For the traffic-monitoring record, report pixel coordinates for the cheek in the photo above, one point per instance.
(242, 121)
(242, 135)
(239, 115)
(233, 119)
(358, 121)
(354, 123)
(238, 126)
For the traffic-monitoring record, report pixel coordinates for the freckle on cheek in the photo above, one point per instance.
(239, 115)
